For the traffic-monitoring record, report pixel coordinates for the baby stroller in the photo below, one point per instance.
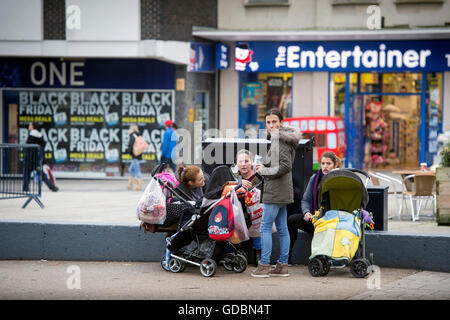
(190, 244)
(339, 224)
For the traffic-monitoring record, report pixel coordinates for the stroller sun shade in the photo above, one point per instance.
(219, 176)
(342, 190)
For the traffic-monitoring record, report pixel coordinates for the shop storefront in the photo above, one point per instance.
(84, 108)
(389, 93)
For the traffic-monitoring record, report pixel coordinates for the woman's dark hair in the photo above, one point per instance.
(35, 125)
(274, 111)
(333, 157)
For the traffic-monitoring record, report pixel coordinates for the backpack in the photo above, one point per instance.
(139, 145)
(221, 221)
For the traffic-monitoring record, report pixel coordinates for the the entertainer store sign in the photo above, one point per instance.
(343, 56)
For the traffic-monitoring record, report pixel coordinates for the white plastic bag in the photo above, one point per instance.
(151, 207)
(240, 227)
(255, 210)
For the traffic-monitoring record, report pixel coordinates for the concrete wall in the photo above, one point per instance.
(310, 94)
(106, 20)
(229, 96)
(233, 15)
(100, 242)
(322, 14)
(21, 20)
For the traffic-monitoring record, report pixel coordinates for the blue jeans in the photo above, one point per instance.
(135, 169)
(274, 213)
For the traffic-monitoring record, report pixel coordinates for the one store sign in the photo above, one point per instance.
(341, 56)
(84, 126)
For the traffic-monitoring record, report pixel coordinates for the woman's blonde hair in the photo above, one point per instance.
(133, 128)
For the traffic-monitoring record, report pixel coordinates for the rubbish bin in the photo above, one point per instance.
(378, 205)
(220, 151)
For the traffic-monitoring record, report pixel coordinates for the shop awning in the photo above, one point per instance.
(321, 35)
(170, 51)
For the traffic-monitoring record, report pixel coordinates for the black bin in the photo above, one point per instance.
(378, 205)
(220, 151)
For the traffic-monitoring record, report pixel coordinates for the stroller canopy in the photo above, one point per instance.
(342, 190)
(218, 178)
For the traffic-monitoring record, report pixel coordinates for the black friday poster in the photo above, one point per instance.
(92, 126)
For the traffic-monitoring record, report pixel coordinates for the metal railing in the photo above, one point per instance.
(21, 172)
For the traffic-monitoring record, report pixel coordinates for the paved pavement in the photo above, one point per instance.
(108, 202)
(120, 280)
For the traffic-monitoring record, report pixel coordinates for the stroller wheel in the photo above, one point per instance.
(208, 267)
(240, 263)
(315, 267)
(228, 261)
(325, 265)
(176, 265)
(359, 268)
(163, 263)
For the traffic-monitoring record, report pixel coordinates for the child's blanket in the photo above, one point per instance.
(336, 235)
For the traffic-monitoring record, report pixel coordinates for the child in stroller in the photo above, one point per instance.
(190, 244)
(339, 224)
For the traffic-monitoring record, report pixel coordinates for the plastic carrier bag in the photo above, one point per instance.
(151, 207)
(255, 210)
(240, 226)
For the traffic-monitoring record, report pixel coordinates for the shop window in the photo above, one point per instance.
(266, 2)
(321, 140)
(337, 92)
(331, 125)
(354, 2)
(321, 125)
(404, 82)
(261, 92)
(434, 115)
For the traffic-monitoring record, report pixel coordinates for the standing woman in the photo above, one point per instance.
(277, 192)
(135, 167)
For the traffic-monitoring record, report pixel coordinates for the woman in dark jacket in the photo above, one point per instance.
(328, 162)
(35, 137)
(277, 192)
(135, 167)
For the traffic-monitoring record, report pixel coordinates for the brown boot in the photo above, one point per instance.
(262, 271)
(281, 270)
(130, 183)
(139, 184)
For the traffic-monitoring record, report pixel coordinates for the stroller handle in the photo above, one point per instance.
(158, 169)
(368, 177)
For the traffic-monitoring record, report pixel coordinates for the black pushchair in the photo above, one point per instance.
(190, 244)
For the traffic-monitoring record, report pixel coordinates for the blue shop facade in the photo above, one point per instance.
(84, 108)
(390, 93)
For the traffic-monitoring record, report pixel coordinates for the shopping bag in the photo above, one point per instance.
(151, 207)
(240, 226)
(49, 173)
(139, 146)
(255, 210)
